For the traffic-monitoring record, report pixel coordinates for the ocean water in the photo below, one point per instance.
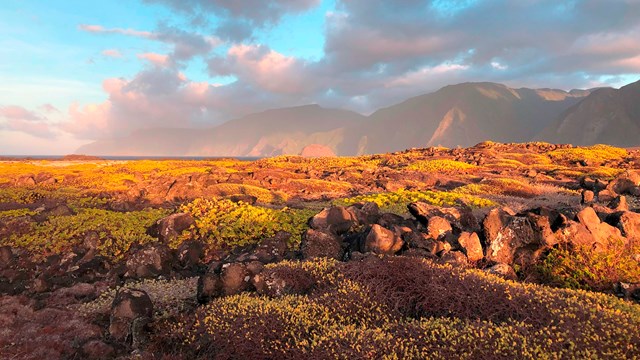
(200, 158)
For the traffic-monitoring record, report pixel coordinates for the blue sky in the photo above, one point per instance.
(74, 71)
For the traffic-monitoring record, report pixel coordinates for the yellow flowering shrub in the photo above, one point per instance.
(440, 166)
(397, 201)
(227, 223)
(595, 153)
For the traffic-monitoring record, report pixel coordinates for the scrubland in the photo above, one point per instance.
(496, 251)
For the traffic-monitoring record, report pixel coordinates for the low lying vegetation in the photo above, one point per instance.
(440, 166)
(396, 308)
(584, 268)
(397, 201)
(593, 154)
(225, 253)
(224, 223)
(115, 232)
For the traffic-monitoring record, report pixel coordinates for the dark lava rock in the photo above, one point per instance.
(190, 254)
(471, 246)
(380, 240)
(130, 309)
(209, 287)
(6, 256)
(235, 278)
(280, 282)
(503, 270)
(335, 219)
(438, 227)
(150, 261)
(317, 244)
(170, 227)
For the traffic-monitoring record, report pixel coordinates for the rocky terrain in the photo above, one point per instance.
(494, 251)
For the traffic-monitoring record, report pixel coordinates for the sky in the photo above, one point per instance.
(74, 71)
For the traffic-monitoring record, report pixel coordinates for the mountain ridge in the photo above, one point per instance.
(455, 115)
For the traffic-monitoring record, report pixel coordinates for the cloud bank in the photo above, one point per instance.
(375, 53)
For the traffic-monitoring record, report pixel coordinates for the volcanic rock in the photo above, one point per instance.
(316, 244)
(130, 309)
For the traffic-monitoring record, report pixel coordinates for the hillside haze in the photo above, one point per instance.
(456, 115)
(464, 115)
(607, 116)
(268, 133)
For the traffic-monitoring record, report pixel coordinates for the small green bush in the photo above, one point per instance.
(226, 223)
(584, 268)
(440, 166)
(397, 201)
(117, 231)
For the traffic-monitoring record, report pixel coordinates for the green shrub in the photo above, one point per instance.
(226, 223)
(117, 231)
(8, 214)
(440, 166)
(584, 268)
(397, 201)
(595, 154)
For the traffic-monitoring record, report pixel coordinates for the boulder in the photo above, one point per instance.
(389, 220)
(149, 261)
(574, 233)
(380, 240)
(588, 197)
(280, 282)
(459, 218)
(438, 227)
(209, 287)
(335, 219)
(245, 198)
(366, 213)
(255, 267)
(170, 227)
(272, 249)
(455, 258)
(606, 195)
(419, 241)
(25, 180)
(626, 183)
(442, 247)
(471, 246)
(60, 210)
(629, 224)
(619, 204)
(516, 239)
(6, 256)
(190, 254)
(235, 278)
(130, 311)
(603, 233)
(91, 241)
(629, 291)
(317, 244)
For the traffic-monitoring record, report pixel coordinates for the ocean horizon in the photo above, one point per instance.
(120, 157)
